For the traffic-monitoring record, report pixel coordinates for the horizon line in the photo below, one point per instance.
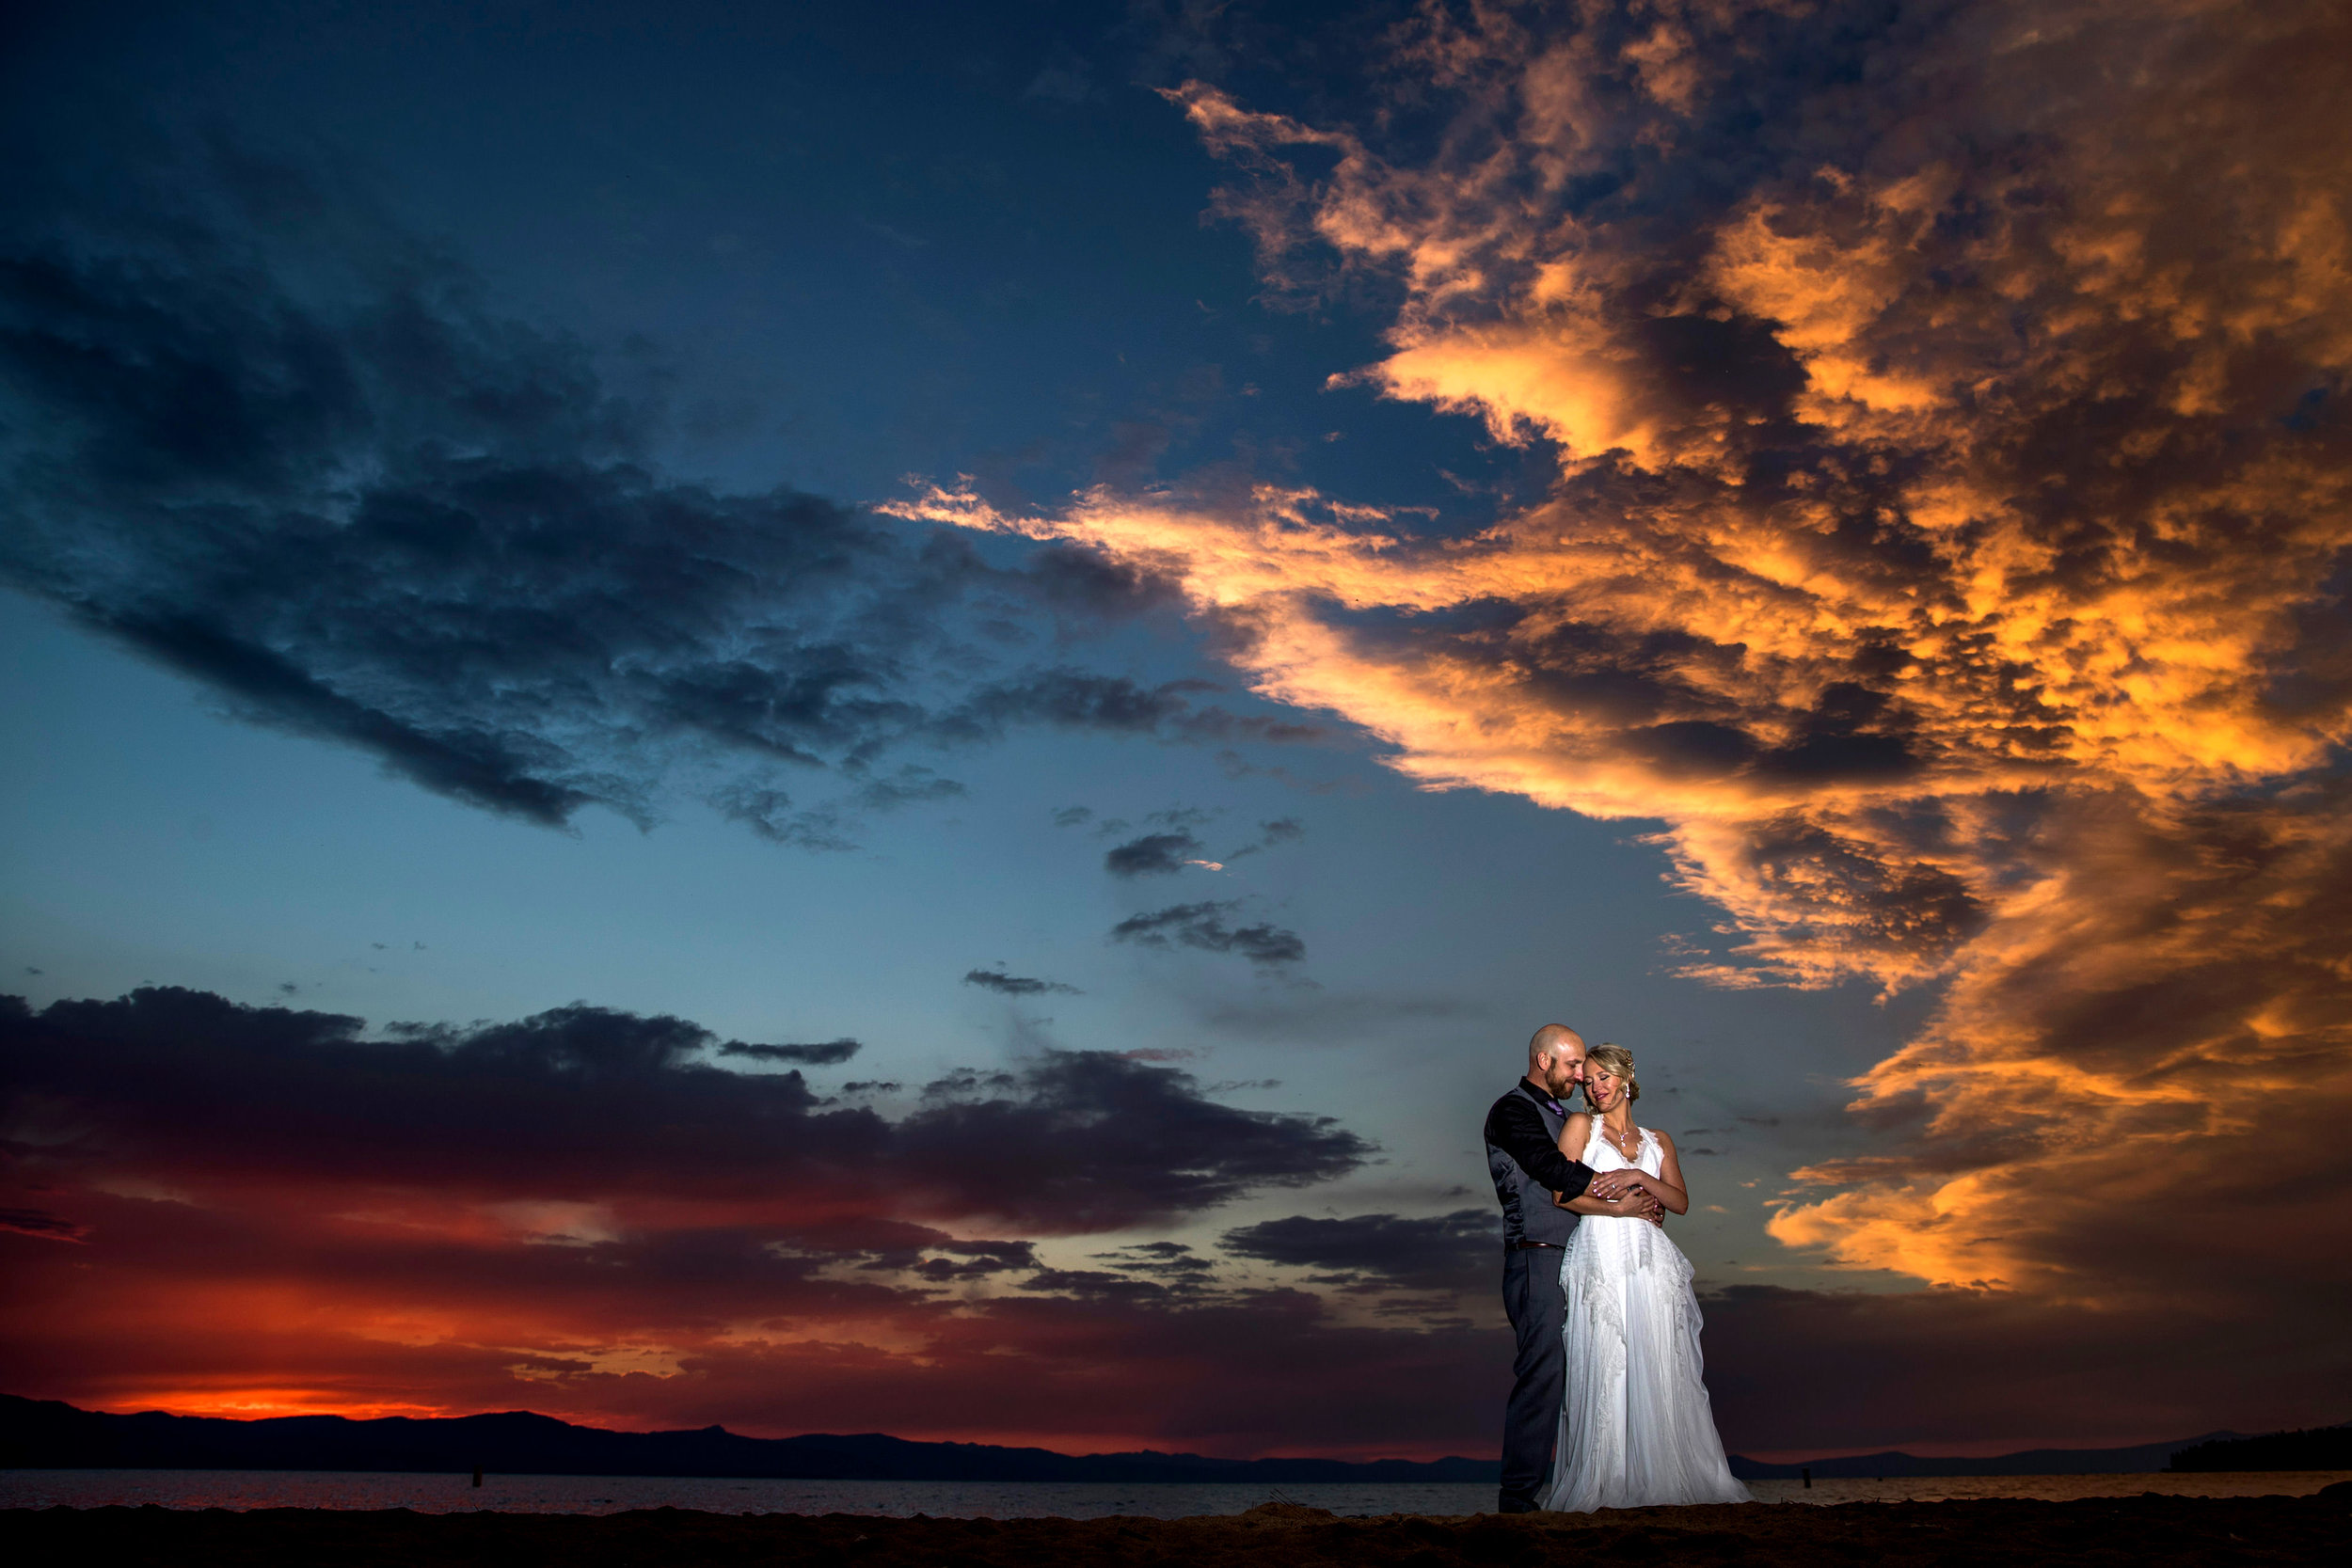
(1760, 1457)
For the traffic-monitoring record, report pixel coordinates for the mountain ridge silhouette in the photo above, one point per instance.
(51, 1434)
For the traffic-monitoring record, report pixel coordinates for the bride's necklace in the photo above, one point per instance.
(1630, 1146)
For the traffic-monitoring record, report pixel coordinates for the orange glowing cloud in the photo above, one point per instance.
(1950, 547)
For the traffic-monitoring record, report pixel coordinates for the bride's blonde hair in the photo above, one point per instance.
(1618, 1063)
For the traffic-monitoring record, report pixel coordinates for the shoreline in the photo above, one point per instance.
(526, 1493)
(2152, 1527)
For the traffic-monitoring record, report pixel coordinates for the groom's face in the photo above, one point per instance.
(1563, 1071)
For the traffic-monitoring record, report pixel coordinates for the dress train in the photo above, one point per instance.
(1636, 1429)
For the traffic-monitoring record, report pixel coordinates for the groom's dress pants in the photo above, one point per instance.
(1531, 1296)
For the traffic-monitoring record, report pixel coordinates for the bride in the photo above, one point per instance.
(1635, 1428)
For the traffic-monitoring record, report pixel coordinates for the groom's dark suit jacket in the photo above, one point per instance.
(1523, 1156)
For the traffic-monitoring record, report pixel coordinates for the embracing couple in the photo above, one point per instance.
(1608, 1409)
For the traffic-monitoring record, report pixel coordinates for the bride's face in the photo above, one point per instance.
(1603, 1087)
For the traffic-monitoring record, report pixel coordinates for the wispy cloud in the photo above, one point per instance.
(1286, 830)
(1152, 855)
(826, 1053)
(1016, 984)
(1205, 927)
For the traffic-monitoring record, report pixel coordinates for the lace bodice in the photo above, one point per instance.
(1601, 1154)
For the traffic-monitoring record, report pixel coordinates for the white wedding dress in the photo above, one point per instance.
(1635, 1428)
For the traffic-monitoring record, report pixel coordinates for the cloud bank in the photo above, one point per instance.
(187, 1091)
(264, 1211)
(218, 1206)
(255, 433)
(1949, 548)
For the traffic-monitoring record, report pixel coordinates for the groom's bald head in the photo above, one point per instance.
(1555, 1057)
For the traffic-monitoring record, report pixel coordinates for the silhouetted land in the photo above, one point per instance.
(2326, 1449)
(2204, 1531)
(46, 1434)
(2145, 1459)
(2319, 1448)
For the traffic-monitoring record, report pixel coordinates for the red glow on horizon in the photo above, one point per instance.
(260, 1404)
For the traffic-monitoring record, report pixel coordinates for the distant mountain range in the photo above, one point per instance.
(46, 1434)
(2319, 1448)
(2142, 1460)
(2323, 1448)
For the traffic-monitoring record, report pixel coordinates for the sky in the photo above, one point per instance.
(890, 721)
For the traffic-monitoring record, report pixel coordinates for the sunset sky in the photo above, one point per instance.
(843, 718)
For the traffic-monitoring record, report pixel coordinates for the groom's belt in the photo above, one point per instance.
(1530, 1246)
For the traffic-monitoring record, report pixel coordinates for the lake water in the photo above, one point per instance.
(441, 1494)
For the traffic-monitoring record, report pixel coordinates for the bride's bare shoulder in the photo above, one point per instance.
(1576, 1129)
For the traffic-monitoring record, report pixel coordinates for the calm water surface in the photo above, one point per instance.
(438, 1494)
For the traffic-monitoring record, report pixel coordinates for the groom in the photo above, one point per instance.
(1523, 1155)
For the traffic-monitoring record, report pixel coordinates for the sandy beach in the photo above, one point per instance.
(2144, 1529)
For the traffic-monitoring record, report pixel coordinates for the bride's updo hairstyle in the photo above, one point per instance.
(1617, 1062)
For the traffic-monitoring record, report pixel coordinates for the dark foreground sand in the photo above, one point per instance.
(2121, 1530)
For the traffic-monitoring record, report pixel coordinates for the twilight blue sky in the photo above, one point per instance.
(442, 444)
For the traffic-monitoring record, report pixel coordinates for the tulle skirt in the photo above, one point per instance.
(1635, 1427)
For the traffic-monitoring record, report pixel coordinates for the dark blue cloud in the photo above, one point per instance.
(1016, 984)
(1152, 855)
(184, 1088)
(1204, 927)
(823, 1053)
(1436, 1252)
(275, 444)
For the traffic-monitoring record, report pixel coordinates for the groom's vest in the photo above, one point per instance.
(1528, 1212)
